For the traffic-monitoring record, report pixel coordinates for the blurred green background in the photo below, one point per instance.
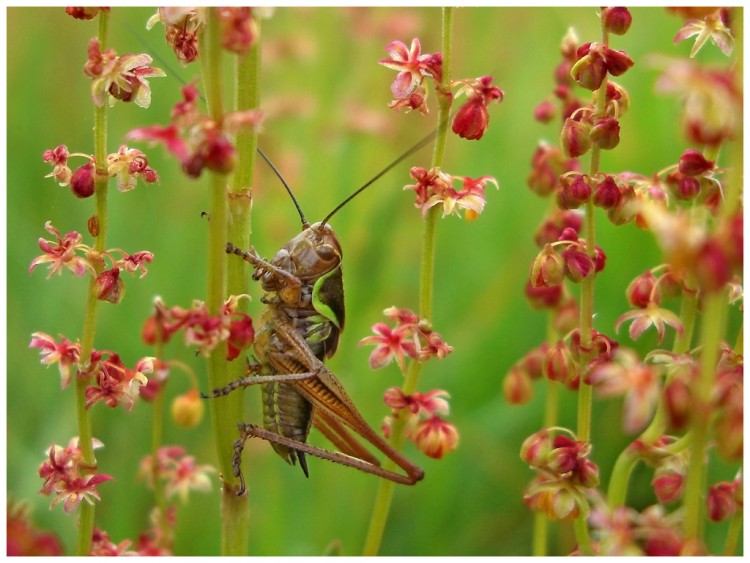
(321, 87)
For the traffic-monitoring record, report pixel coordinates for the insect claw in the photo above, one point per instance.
(303, 463)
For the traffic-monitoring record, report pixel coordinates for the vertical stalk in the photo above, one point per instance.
(382, 505)
(225, 411)
(585, 391)
(712, 331)
(85, 436)
(539, 544)
(236, 510)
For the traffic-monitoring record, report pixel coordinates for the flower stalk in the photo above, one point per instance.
(225, 411)
(381, 507)
(101, 181)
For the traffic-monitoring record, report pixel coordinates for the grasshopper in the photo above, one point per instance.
(298, 330)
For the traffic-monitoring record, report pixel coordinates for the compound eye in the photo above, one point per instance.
(326, 252)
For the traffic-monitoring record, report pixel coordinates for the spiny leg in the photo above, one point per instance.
(239, 445)
(257, 380)
(252, 431)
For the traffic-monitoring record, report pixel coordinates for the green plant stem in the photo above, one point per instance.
(733, 534)
(85, 435)
(384, 497)
(712, 332)
(236, 509)
(551, 407)
(225, 411)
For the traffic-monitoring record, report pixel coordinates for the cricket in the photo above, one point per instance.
(298, 330)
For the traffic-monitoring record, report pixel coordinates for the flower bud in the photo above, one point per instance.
(590, 70)
(627, 209)
(683, 187)
(693, 163)
(600, 259)
(607, 194)
(578, 265)
(187, 409)
(472, 119)
(82, 181)
(558, 364)
(574, 192)
(435, 437)
(721, 501)
(640, 291)
(668, 484)
(575, 139)
(544, 112)
(605, 133)
(616, 20)
(678, 402)
(536, 447)
(543, 297)
(617, 62)
(517, 387)
(712, 267)
(532, 362)
(109, 287)
(547, 269)
(728, 429)
(220, 155)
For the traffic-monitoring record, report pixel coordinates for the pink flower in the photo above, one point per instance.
(652, 315)
(65, 353)
(128, 165)
(58, 158)
(711, 27)
(65, 475)
(390, 344)
(115, 383)
(626, 376)
(434, 187)
(62, 253)
(178, 470)
(122, 78)
(412, 66)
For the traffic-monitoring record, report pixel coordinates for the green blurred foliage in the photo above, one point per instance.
(320, 81)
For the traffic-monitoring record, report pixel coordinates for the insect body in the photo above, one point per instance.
(298, 331)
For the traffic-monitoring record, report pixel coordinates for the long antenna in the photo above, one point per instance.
(419, 145)
(305, 224)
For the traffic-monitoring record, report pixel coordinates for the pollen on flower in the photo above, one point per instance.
(119, 78)
(435, 187)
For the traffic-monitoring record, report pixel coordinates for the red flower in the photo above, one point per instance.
(412, 65)
(435, 437)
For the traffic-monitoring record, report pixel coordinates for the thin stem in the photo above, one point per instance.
(225, 411)
(85, 435)
(733, 534)
(381, 507)
(712, 332)
(585, 391)
(235, 510)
